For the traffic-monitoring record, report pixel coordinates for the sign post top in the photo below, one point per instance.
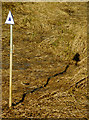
(9, 19)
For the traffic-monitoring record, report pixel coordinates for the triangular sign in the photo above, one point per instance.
(9, 19)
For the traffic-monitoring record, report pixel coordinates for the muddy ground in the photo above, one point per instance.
(46, 37)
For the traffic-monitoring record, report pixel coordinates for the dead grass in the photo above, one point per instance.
(46, 36)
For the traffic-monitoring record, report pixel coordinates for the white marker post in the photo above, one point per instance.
(10, 21)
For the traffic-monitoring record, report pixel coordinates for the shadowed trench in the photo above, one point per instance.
(75, 58)
(35, 89)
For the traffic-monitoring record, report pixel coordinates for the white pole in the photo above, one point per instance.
(10, 89)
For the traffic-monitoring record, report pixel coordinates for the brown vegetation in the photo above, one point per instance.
(46, 37)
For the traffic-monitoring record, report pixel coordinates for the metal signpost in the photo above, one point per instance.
(10, 21)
